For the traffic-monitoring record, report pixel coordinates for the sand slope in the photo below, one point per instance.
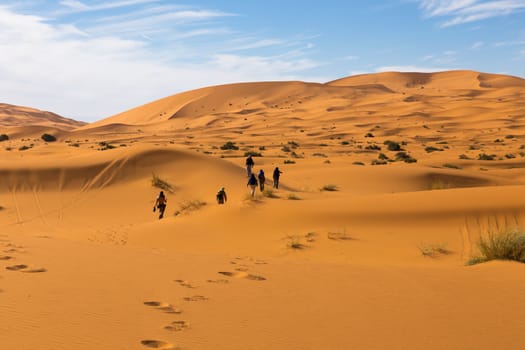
(333, 259)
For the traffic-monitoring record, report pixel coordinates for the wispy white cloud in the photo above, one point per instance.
(78, 6)
(467, 11)
(88, 75)
(410, 68)
(477, 45)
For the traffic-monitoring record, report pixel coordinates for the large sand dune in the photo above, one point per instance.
(389, 180)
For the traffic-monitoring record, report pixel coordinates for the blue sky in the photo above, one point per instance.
(88, 60)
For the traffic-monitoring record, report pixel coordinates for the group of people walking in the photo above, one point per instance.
(253, 182)
(261, 178)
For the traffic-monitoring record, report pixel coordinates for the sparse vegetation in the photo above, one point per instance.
(358, 163)
(508, 244)
(510, 156)
(105, 146)
(322, 155)
(188, 206)
(392, 145)
(405, 157)
(74, 145)
(229, 146)
(48, 138)
(252, 153)
(289, 161)
(23, 148)
(294, 242)
(379, 162)
(463, 156)
(329, 188)
(338, 236)
(451, 166)
(156, 181)
(382, 156)
(430, 149)
(4, 137)
(369, 134)
(344, 143)
(433, 250)
(484, 156)
(373, 147)
(293, 197)
(286, 148)
(269, 193)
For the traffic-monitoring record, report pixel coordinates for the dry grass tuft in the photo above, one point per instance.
(508, 244)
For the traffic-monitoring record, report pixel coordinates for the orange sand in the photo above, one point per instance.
(85, 264)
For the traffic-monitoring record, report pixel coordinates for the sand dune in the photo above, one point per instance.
(388, 182)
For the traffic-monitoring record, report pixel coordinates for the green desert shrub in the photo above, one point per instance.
(451, 166)
(229, 146)
(4, 137)
(507, 244)
(48, 138)
(484, 156)
(430, 149)
(392, 145)
(289, 161)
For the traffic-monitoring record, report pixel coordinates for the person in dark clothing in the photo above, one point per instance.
(160, 203)
(252, 182)
(262, 179)
(221, 196)
(249, 165)
(276, 174)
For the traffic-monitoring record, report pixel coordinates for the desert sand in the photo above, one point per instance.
(360, 247)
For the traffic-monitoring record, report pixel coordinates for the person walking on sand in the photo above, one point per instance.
(276, 174)
(262, 179)
(249, 165)
(160, 203)
(221, 196)
(252, 182)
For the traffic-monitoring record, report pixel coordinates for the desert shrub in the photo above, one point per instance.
(294, 242)
(508, 244)
(323, 145)
(293, 144)
(48, 138)
(322, 155)
(433, 250)
(74, 145)
(289, 161)
(498, 141)
(4, 137)
(382, 156)
(510, 156)
(269, 193)
(510, 136)
(23, 148)
(392, 145)
(286, 148)
(328, 161)
(402, 156)
(451, 166)
(463, 156)
(338, 236)
(379, 162)
(484, 156)
(430, 149)
(295, 155)
(156, 181)
(229, 146)
(188, 206)
(330, 188)
(373, 147)
(262, 148)
(252, 153)
(344, 143)
(358, 163)
(369, 134)
(105, 146)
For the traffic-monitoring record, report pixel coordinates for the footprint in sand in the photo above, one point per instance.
(220, 281)
(195, 298)
(177, 326)
(244, 275)
(23, 268)
(185, 284)
(165, 307)
(16, 267)
(157, 344)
